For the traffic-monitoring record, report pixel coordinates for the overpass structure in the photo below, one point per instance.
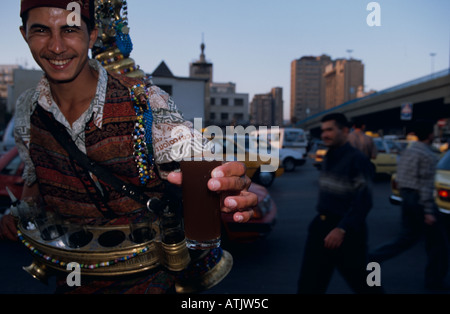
(428, 96)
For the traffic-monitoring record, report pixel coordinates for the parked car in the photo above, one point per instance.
(261, 224)
(292, 144)
(384, 163)
(321, 151)
(442, 184)
(386, 160)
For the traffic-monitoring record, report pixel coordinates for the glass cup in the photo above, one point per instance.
(201, 206)
(77, 234)
(49, 225)
(141, 230)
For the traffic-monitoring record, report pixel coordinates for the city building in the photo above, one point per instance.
(18, 82)
(23, 79)
(188, 93)
(308, 86)
(223, 106)
(344, 80)
(319, 83)
(267, 109)
(203, 70)
(227, 107)
(6, 81)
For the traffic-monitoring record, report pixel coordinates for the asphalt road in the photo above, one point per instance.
(271, 265)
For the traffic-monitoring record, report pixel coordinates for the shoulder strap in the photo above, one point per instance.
(64, 139)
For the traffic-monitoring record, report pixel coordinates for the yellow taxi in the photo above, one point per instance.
(320, 155)
(384, 163)
(441, 186)
(386, 160)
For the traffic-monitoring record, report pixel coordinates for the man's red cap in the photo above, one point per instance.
(86, 6)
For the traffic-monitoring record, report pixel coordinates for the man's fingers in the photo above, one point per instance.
(243, 216)
(245, 201)
(229, 183)
(175, 178)
(230, 169)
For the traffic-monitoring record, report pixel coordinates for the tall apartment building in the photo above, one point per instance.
(308, 86)
(343, 79)
(6, 78)
(267, 109)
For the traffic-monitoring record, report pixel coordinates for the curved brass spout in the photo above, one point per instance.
(38, 270)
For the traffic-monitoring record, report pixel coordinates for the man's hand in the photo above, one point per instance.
(8, 230)
(334, 239)
(230, 179)
(430, 219)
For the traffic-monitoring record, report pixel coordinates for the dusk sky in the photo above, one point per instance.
(253, 42)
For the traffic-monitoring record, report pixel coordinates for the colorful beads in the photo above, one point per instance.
(142, 134)
(112, 60)
(84, 266)
(128, 70)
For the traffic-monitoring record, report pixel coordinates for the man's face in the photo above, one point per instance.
(332, 135)
(60, 50)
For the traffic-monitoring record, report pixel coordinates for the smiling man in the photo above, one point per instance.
(112, 119)
(62, 53)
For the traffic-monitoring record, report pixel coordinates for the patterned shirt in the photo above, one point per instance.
(166, 118)
(416, 169)
(345, 187)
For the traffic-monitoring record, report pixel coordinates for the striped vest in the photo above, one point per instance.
(67, 186)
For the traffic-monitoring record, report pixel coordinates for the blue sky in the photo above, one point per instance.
(253, 42)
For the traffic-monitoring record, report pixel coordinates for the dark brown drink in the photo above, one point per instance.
(201, 206)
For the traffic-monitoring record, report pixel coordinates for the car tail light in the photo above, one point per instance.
(394, 185)
(444, 194)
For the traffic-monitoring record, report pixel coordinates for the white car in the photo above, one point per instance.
(291, 142)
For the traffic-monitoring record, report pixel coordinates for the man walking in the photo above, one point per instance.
(415, 177)
(337, 236)
(360, 140)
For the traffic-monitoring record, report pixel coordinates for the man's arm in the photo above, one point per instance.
(8, 229)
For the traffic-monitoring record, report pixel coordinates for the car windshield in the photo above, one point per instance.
(291, 136)
(444, 163)
(380, 146)
(393, 148)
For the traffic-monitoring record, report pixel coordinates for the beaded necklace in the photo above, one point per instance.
(58, 262)
(142, 134)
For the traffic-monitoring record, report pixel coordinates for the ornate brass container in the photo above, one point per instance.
(102, 256)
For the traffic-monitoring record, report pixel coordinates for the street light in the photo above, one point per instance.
(432, 55)
(349, 51)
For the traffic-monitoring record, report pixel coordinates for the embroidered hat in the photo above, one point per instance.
(86, 6)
